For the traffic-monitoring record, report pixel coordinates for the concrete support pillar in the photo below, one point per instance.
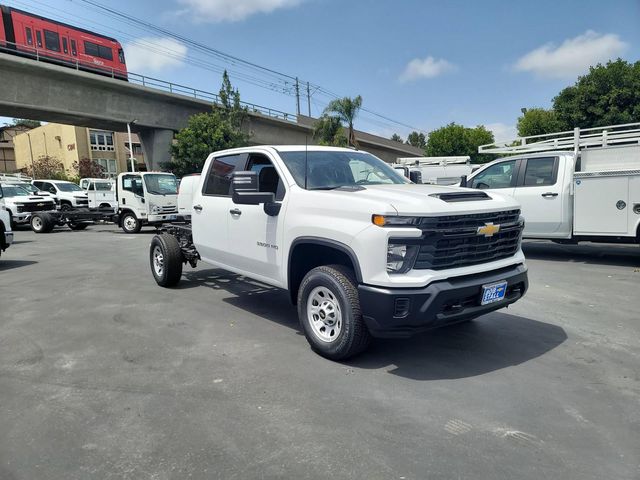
(155, 146)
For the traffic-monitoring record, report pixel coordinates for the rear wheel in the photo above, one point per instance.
(130, 224)
(329, 312)
(165, 257)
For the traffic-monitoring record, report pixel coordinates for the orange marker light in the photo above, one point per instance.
(378, 220)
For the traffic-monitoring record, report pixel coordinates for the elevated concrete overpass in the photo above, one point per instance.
(52, 93)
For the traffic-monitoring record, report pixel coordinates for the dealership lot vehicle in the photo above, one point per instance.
(109, 374)
(6, 234)
(101, 192)
(277, 214)
(22, 204)
(68, 194)
(591, 193)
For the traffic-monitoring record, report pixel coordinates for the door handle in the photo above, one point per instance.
(549, 195)
(235, 211)
(197, 208)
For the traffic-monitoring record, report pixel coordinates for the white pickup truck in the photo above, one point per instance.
(361, 251)
(574, 186)
(21, 204)
(6, 234)
(68, 194)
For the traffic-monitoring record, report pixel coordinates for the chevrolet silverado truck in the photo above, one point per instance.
(6, 235)
(362, 252)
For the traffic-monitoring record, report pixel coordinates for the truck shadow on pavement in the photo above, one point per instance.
(594, 254)
(10, 264)
(493, 342)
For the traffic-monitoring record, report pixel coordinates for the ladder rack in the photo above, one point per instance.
(14, 177)
(576, 140)
(442, 161)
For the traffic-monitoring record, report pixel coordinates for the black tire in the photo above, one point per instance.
(65, 206)
(169, 272)
(77, 226)
(352, 337)
(130, 224)
(42, 223)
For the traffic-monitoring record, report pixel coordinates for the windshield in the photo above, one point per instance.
(332, 169)
(14, 191)
(161, 184)
(26, 186)
(68, 187)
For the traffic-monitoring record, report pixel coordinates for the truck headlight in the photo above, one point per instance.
(400, 258)
(394, 221)
(155, 209)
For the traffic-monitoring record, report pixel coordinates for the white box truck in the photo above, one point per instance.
(580, 185)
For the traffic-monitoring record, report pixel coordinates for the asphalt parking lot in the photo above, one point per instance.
(103, 374)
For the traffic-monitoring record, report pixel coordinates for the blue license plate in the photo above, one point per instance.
(493, 293)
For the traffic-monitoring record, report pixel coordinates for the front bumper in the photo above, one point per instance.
(402, 312)
(8, 239)
(162, 218)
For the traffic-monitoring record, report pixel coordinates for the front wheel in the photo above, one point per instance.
(42, 223)
(165, 257)
(329, 312)
(130, 224)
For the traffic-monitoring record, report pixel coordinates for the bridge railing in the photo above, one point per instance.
(42, 55)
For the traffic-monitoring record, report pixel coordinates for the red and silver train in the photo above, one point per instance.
(26, 34)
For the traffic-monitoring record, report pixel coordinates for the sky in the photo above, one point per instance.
(420, 63)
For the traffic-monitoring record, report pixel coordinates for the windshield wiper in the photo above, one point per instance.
(155, 192)
(325, 188)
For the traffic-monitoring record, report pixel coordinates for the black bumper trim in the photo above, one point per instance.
(402, 312)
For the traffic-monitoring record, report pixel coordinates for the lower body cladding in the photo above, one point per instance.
(402, 312)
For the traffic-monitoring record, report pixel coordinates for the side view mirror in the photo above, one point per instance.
(463, 181)
(244, 190)
(415, 176)
(52, 190)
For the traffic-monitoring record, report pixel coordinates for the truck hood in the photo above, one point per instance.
(420, 200)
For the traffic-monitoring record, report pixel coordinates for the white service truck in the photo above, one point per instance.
(146, 198)
(101, 193)
(435, 170)
(6, 233)
(581, 185)
(361, 251)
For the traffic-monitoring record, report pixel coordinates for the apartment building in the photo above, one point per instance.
(70, 144)
(7, 151)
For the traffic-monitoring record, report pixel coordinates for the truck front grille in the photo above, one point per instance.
(169, 209)
(453, 241)
(35, 207)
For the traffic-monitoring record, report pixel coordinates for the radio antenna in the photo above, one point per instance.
(306, 161)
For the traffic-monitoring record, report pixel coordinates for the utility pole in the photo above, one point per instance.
(308, 99)
(297, 96)
(131, 157)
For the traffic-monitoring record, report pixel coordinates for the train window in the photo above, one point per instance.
(51, 41)
(65, 45)
(74, 50)
(39, 38)
(29, 36)
(121, 55)
(96, 50)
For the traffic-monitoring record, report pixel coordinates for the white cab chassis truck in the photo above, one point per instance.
(582, 185)
(6, 235)
(146, 198)
(361, 251)
(100, 192)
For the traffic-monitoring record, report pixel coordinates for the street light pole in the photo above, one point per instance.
(131, 158)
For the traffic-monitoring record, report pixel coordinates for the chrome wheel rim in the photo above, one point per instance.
(158, 261)
(37, 223)
(130, 223)
(324, 314)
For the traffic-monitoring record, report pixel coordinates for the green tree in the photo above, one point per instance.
(24, 122)
(396, 138)
(417, 139)
(329, 131)
(346, 109)
(454, 139)
(609, 94)
(209, 132)
(538, 121)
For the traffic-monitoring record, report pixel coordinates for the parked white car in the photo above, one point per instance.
(589, 193)
(68, 194)
(361, 251)
(21, 204)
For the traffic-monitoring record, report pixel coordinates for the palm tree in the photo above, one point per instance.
(346, 109)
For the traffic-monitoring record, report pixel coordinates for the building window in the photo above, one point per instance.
(51, 41)
(102, 141)
(137, 148)
(109, 167)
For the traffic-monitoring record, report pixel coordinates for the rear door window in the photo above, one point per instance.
(540, 172)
